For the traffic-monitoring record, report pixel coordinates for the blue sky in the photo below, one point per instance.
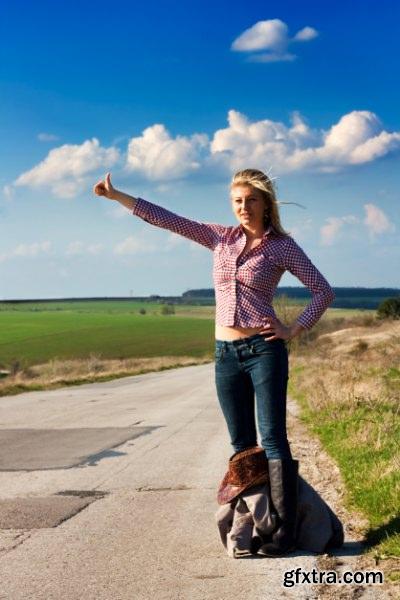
(172, 99)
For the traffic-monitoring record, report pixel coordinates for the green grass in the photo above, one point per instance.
(332, 313)
(94, 306)
(368, 467)
(113, 331)
(35, 332)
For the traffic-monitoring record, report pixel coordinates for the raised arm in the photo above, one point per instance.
(297, 262)
(206, 234)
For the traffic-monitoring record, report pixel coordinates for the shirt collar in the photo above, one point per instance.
(266, 232)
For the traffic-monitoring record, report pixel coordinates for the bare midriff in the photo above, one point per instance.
(228, 334)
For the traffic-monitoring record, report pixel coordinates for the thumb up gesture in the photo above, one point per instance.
(105, 188)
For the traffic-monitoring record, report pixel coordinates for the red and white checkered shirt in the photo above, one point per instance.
(245, 283)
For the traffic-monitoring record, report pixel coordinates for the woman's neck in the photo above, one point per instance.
(254, 232)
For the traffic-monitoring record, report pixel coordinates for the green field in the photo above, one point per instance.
(35, 333)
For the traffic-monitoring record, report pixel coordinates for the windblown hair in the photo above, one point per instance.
(259, 180)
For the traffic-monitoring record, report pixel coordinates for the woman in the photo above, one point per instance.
(251, 357)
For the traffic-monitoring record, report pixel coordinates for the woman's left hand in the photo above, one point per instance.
(275, 330)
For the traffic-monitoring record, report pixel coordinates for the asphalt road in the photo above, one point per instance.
(107, 491)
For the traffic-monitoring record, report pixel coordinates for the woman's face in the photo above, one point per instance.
(248, 205)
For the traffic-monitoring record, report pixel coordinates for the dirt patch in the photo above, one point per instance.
(345, 339)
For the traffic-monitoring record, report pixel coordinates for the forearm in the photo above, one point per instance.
(296, 329)
(207, 234)
(124, 199)
(299, 264)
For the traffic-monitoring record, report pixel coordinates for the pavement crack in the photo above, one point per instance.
(19, 539)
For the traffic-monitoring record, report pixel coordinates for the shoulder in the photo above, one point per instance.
(281, 248)
(280, 241)
(288, 243)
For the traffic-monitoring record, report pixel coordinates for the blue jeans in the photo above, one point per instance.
(247, 369)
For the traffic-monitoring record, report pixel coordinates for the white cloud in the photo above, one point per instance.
(272, 57)
(95, 249)
(306, 34)
(47, 137)
(151, 240)
(165, 188)
(174, 240)
(376, 220)
(358, 137)
(75, 248)
(27, 250)
(78, 248)
(301, 228)
(271, 35)
(8, 192)
(135, 245)
(158, 156)
(329, 232)
(32, 249)
(66, 168)
(118, 211)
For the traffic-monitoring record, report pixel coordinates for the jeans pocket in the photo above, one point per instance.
(219, 353)
(261, 346)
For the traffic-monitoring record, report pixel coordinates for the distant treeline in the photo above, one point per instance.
(346, 297)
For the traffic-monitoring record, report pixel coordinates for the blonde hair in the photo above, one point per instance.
(259, 180)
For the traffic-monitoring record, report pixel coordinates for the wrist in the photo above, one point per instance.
(117, 195)
(124, 199)
(295, 329)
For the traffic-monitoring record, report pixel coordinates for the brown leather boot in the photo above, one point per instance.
(283, 477)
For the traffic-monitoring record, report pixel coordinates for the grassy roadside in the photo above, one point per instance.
(347, 384)
(95, 369)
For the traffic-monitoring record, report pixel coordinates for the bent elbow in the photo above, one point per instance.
(331, 295)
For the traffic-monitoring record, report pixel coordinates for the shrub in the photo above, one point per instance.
(167, 309)
(359, 347)
(389, 308)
